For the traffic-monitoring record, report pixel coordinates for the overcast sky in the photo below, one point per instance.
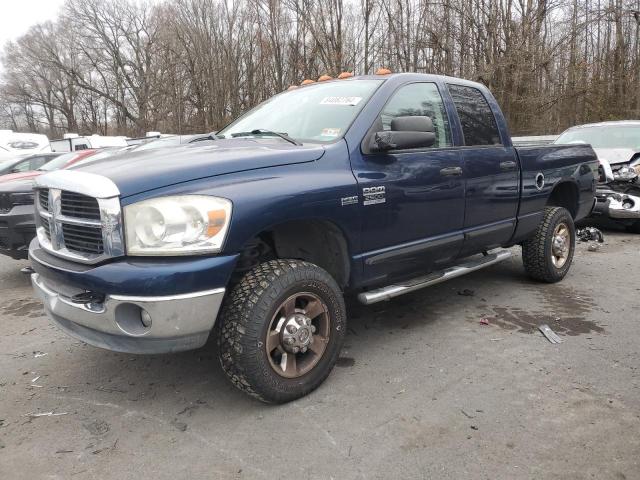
(16, 16)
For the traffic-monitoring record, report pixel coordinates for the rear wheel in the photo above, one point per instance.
(547, 256)
(281, 330)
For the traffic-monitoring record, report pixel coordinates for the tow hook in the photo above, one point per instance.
(88, 298)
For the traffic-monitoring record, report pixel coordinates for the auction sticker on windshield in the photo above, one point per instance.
(330, 132)
(350, 101)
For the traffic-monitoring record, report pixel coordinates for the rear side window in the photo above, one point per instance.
(478, 123)
(419, 99)
(36, 162)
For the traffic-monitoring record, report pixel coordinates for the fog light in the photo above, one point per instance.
(145, 318)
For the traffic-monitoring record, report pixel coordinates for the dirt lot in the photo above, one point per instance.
(423, 390)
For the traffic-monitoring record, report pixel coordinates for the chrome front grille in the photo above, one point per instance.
(43, 198)
(80, 206)
(75, 225)
(83, 238)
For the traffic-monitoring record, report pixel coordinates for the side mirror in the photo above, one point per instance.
(406, 132)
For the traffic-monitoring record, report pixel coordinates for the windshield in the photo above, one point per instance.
(321, 112)
(58, 162)
(614, 136)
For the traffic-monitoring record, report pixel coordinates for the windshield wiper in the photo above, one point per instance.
(262, 131)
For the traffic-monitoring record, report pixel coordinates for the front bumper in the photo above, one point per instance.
(616, 205)
(17, 229)
(177, 322)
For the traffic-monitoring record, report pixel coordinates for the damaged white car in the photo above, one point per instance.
(617, 145)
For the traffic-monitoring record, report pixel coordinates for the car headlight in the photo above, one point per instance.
(177, 225)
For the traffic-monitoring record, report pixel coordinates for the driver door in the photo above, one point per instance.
(412, 201)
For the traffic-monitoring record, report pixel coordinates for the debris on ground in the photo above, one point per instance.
(594, 247)
(39, 354)
(484, 321)
(45, 414)
(466, 293)
(589, 234)
(549, 334)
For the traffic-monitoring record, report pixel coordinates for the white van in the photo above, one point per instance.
(72, 142)
(14, 144)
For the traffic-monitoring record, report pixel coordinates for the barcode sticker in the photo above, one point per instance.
(350, 101)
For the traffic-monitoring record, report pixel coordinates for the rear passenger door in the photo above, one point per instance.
(491, 172)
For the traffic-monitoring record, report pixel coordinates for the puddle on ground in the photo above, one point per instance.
(23, 308)
(562, 308)
(522, 321)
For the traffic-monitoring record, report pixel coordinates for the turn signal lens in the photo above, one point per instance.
(217, 220)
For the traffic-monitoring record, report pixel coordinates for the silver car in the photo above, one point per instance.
(617, 145)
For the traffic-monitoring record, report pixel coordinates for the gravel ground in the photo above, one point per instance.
(423, 390)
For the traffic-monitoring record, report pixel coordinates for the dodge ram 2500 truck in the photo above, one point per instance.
(372, 185)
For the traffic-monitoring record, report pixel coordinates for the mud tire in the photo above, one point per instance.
(244, 323)
(537, 251)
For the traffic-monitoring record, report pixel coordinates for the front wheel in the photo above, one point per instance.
(281, 330)
(547, 256)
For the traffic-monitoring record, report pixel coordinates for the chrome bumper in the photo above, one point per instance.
(134, 324)
(617, 205)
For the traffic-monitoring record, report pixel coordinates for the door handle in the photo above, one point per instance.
(506, 166)
(451, 171)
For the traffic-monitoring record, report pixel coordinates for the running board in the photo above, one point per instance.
(390, 291)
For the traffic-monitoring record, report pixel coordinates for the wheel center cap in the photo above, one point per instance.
(297, 333)
(559, 245)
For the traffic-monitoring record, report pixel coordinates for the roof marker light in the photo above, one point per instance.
(383, 71)
(324, 78)
(307, 82)
(344, 75)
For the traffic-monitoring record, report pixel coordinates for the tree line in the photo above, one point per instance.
(181, 66)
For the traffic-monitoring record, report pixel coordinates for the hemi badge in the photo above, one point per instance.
(349, 200)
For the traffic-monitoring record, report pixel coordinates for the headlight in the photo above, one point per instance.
(25, 198)
(177, 225)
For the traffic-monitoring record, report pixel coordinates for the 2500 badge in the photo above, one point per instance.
(373, 195)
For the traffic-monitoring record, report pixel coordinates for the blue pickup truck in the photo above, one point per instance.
(371, 186)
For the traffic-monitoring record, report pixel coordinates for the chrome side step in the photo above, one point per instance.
(390, 291)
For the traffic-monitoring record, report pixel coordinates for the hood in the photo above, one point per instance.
(136, 172)
(22, 175)
(17, 186)
(615, 155)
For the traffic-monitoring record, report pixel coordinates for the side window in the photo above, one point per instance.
(21, 167)
(36, 162)
(419, 99)
(478, 123)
